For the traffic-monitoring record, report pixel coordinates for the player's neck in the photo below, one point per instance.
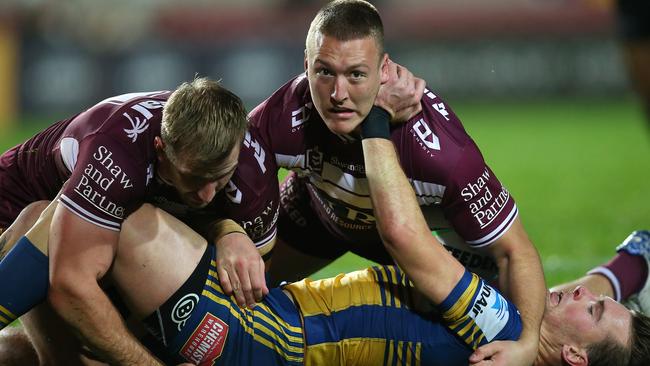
(548, 353)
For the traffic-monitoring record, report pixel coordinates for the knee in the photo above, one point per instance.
(16, 348)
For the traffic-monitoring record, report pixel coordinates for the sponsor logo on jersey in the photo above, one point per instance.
(207, 341)
(233, 193)
(140, 121)
(260, 225)
(427, 139)
(439, 107)
(484, 204)
(478, 263)
(258, 151)
(489, 311)
(183, 309)
(97, 179)
(300, 116)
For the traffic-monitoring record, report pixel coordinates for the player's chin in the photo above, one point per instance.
(343, 126)
(195, 202)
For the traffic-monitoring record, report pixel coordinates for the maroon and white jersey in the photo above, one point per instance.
(453, 184)
(105, 153)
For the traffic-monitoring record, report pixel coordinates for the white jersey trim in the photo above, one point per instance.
(69, 150)
(87, 216)
(496, 233)
(611, 277)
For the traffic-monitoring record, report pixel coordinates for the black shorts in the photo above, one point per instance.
(166, 322)
(634, 19)
(300, 227)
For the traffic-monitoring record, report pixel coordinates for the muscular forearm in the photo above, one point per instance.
(402, 226)
(90, 313)
(522, 279)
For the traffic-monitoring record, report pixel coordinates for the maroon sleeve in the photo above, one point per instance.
(479, 207)
(106, 183)
(252, 195)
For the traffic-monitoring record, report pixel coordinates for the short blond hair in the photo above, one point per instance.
(202, 122)
(347, 20)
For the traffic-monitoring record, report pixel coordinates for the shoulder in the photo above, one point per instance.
(434, 138)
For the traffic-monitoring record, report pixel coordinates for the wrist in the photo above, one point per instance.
(376, 124)
(225, 227)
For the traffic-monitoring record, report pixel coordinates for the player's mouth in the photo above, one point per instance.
(342, 113)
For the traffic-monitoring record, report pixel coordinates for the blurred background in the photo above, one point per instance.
(539, 84)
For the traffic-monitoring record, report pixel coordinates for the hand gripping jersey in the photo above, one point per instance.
(106, 153)
(453, 184)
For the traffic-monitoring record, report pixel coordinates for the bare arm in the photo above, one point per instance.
(522, 279)
(80, 254)
(402, 227)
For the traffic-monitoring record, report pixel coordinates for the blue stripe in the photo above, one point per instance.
(458, 291)
(380, 282)
(371, 321)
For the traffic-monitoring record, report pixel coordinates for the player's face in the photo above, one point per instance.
(197, 190)
(344, 78)
(585, 318)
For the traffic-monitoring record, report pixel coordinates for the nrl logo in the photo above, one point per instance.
(139, 126)
(314, 160)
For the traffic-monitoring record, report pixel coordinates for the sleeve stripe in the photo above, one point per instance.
(87, 216)
(496, 233)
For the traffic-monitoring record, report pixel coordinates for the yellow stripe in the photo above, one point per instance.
(8, 313)
(250, 331)
(418, 354)
(400, 356)
(277, 319)
(409, 353)
(389, 361)
(4, 321)
(213, 274)
(460, 307)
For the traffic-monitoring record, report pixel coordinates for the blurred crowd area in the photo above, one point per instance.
(57, 56)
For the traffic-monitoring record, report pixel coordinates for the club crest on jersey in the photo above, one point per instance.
(314, 160)
(139, 124)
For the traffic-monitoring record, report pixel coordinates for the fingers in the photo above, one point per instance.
(483, 353)
(246, 288)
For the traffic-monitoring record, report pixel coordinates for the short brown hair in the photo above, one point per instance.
(612, 353)
(640, 340)
(347, 20)
(202, 123)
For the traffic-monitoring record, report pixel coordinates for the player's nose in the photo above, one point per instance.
(207, 192)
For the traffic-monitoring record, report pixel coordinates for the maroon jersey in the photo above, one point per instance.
(105, 153)
(453, 184)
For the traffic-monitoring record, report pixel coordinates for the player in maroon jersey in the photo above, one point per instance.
(311, 126)
(180, 145)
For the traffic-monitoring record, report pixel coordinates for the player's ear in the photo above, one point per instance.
(383, 68)
(159, 145)
(306, 61)
(574, 356)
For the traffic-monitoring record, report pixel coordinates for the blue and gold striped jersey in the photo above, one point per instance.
(367, 318)
(221, 333)
(360, 318)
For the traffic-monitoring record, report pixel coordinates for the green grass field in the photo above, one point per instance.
(579, 170)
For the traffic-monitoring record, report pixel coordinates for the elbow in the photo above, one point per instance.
(395, 233)
(64, 291)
